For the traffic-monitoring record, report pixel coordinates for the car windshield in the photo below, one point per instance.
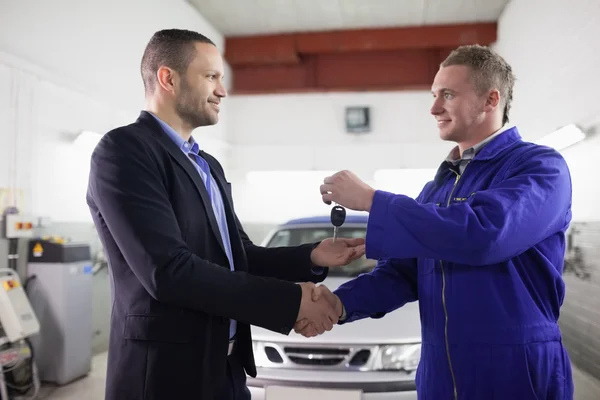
(298, 236)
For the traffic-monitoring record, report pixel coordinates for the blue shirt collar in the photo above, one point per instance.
(186, 147)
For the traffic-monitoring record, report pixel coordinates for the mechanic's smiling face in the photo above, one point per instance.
(458, 109)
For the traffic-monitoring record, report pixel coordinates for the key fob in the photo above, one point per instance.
(338, 215)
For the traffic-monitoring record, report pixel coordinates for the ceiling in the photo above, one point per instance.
(246, 18)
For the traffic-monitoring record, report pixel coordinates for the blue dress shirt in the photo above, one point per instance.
(191, 149)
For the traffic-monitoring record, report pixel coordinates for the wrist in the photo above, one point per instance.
(339, 308)
(343, 315)
(369, 199)
(312, 254)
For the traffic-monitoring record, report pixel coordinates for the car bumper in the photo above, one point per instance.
(260, 394)
(371, 385)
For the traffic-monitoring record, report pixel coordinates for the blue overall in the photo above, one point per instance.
(482, 253)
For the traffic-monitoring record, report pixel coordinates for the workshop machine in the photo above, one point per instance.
(46, 323)
(18, 371)
(60, 289)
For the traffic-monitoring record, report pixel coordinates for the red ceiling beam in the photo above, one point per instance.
(369, 59)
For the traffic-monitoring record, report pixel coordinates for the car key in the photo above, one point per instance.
(338, 216)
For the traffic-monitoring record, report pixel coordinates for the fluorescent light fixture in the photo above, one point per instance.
(87, 139)
(291, 176)
(409, 181)
(562, 138)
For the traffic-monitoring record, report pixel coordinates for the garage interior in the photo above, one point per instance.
(314, 87)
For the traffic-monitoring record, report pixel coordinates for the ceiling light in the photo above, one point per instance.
(562, 138)
(87, 139)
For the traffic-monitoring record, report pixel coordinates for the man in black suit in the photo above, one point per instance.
(186, 280)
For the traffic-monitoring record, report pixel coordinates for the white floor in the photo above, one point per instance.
(92, 386)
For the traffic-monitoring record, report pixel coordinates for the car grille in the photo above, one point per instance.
(317, 357)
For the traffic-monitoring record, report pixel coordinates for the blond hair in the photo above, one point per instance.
(489, 71)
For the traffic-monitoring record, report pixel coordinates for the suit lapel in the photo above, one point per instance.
(189, 168)
(225, 189)
(224, 186)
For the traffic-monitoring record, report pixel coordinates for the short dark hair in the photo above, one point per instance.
(489, 69)
(173, 48)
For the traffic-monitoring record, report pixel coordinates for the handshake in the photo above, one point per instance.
(320, 309)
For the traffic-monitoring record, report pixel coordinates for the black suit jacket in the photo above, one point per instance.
(173, 291)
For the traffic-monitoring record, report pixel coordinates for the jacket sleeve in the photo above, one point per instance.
(290, 263)
(128, 190)
(391, 284)
(531, 203)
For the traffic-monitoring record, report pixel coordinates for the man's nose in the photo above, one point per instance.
(436, 108)
(220, 90)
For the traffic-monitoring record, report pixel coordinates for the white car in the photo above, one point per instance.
(369, 359)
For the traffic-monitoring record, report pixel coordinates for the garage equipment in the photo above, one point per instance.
(18, 323)
(18, 373)
(60, 290)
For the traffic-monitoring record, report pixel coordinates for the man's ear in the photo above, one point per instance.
(167, 79)
(493, 100)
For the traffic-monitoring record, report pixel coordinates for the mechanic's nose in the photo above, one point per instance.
(436, 108)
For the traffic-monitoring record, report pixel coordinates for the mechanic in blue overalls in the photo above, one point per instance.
(481, 248)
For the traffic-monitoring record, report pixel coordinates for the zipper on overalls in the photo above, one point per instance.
(444, 297)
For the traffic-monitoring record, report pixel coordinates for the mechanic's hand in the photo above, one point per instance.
(305, 326)
(346, 189)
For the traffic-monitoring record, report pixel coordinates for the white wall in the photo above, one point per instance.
(69, 66)
(263, 127)
(555, 57)
(95, 45)
(307, 132)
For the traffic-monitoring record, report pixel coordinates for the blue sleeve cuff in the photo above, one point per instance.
(349, 301)
(375, 226)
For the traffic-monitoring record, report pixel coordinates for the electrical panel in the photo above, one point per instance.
(18, 226)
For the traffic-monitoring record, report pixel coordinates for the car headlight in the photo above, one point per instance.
(404, 357)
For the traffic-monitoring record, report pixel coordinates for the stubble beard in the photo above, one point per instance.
(188, 108)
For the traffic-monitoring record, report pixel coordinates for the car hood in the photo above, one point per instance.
(401, 325)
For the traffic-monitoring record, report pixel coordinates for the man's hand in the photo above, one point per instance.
(319, 313)
(340, 253)
(346, 189)
(320, 293)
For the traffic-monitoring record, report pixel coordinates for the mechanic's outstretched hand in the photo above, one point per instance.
(346, 189)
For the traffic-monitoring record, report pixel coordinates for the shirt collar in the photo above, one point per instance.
(495, 145)
(186, 147)
(454, 155)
